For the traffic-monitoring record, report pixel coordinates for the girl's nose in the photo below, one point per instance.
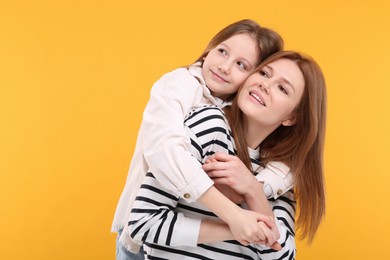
(224, 67)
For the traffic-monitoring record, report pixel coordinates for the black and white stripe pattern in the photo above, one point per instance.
(208, 131)
(168, 226)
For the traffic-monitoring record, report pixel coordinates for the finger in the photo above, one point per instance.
(261, 236)
(244, 242)
(276, 246)
(261, 242)
(266, 219)
(214, 166)
(218, 174)
(223, 157)
(270, 236)
(209, 166)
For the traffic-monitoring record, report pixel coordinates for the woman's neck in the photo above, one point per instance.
(255, 134)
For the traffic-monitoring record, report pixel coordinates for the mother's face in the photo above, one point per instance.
(269, 97)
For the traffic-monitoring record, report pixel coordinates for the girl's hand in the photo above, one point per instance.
(228, 170)
(271, 235)
(216, 231)
(252, 227)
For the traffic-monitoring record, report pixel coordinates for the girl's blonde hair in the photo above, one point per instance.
(268, 41)
(299, 146)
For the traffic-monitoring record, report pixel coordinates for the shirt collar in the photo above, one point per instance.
(196, 71)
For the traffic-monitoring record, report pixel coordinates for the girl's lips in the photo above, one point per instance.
(257, 97)
(219, 77)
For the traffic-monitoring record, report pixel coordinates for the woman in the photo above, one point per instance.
(286, 94)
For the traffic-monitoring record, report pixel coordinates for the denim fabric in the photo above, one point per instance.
(123, 254)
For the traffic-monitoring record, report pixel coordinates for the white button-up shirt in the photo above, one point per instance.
(162, 143)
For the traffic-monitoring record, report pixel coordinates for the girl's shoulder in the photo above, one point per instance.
(179, 82)
(178, 75)
(185, 75)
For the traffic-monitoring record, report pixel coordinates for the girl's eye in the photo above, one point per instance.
(241, 65)
(223, 51)
(283, 89)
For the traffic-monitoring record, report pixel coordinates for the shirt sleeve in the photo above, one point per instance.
(277, 179)
(153, 217)
(153, 220)
(166, 149)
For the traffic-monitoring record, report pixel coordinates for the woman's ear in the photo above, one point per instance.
(289, 122)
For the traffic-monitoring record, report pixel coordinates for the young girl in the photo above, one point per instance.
(285, 98)
(162, 144)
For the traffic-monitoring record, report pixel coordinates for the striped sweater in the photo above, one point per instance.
(169, 227)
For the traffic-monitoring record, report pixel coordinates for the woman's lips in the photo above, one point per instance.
(258, 97)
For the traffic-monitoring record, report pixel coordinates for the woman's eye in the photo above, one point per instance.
(264, 73)
(283, 89)
(223, 51)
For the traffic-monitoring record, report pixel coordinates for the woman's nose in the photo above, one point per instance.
(264, 86)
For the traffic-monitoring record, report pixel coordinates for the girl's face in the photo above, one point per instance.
(269, 97)
(227, 66)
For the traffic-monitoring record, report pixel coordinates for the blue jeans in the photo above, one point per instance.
(123, 254)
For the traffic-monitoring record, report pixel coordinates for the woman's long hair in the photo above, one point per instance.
(299, 146)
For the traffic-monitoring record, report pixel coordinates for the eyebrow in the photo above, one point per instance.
(284, 79)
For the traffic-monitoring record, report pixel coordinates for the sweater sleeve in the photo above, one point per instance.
(166, 149)
(153, 219)
(284, 210)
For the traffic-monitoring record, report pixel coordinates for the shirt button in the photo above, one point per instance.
(279, 192)
(187, 195)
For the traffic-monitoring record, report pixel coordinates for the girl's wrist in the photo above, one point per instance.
(254, 190)
(257, 201)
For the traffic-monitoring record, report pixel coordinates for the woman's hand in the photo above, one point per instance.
(243, 224)
(271, 235)
(216, 231)
(228, 170)
(252, 227)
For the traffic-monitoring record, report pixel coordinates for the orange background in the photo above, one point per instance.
(75, 77)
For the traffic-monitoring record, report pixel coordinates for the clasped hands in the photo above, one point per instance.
(233, 179)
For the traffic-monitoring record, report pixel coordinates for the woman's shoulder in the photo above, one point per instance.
(210, 122)
(207, 117)
(206, 113)
(209, 131)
